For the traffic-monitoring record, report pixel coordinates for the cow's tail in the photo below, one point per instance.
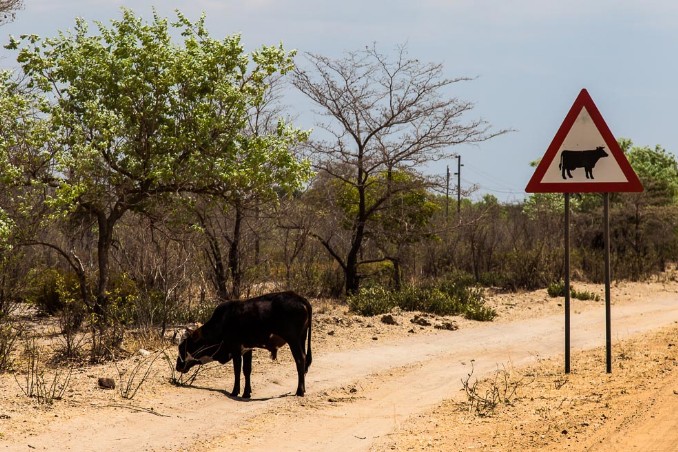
(309, 356)
(560, 165)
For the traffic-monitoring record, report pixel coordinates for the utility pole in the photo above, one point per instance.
(447, 194)
(458, 174)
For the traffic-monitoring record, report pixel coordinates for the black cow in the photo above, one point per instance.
(236, 327)
(570, 160)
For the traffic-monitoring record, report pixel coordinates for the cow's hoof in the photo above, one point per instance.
(246, 395)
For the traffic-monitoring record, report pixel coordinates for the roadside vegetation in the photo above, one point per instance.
(145, 178)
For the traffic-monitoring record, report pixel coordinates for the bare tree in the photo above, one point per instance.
(383, 115)
(8, 9)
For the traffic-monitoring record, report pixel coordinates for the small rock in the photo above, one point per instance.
(106, 383)
(388, 319)
(375, 338)
(420, 320)
(144, 352)
(330, 333)
(451, 326)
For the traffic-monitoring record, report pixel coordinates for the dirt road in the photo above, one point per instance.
(355, 397)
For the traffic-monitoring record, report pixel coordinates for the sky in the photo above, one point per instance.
(528, 60)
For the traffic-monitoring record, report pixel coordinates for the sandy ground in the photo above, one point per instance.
(374, 386)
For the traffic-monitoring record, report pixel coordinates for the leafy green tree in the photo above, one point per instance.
(228, 219)
(133, 116)
(643, 224)
(403, 220)
(657, 169)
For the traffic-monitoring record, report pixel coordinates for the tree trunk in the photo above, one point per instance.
(397, 274)
(103, 250)
(234, 254)
(352, 279)
(351, 270)
(218, 269)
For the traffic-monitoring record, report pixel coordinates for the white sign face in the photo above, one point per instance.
(583, 156)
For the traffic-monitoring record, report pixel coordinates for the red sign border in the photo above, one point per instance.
(535, 185)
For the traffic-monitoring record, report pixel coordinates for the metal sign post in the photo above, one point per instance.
(608, 320)
(567, 283)
(583, 144)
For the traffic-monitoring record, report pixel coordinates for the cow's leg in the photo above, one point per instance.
(247, 370)
(237, 364)
(297, 348)
(569, 174)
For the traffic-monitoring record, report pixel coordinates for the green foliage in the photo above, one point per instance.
(657, 170)
(584, 295)
(48, 288)
(400, 203)
(447, 297)
(127, 118)
(557, 289)
(539, 204)
(371, 301)
(6, 227)
(134, 110)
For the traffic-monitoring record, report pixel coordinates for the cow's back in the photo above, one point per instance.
(285, 314)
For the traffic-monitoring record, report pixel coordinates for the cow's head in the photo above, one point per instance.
(600, 151)
(195, 348)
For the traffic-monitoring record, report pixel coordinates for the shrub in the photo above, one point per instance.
(448, 297)
(584, 295)
(480, 313)
(45, 295)
(557, 289)
(501, 388)
(35, 383)
(372, 301)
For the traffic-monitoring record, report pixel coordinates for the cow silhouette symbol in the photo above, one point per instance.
(571, 160)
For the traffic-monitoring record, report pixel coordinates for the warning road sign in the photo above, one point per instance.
(584, 156)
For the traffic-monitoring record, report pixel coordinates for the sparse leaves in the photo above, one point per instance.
(385, 115)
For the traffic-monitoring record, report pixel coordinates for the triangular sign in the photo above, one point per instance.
(584, 156)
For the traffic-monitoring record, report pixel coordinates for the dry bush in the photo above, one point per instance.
(35, 383)
(130, 380)
(10, 331)
(501, 388)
